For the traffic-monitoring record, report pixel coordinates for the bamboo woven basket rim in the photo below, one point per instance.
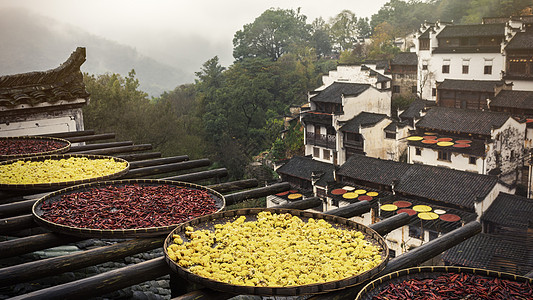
(54, 151)
(56, 185)
(378, 284)
(208, 221)
(116, 233)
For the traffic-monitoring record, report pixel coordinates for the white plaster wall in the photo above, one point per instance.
(481, 207)
(508, 140)
(371, 100)
(528, 144)
(521, 85)
(376, 145)
(71, 120)
(458, 161)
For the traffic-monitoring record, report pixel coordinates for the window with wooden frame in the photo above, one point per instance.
(444, 155)
(445, 66)
(466, 66)
(487, 68)
(418, 151)
(472, 160)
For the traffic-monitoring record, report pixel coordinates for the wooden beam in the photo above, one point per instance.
(234, 185)
(139, 156)
(350, 210)
(389, 224)
(94, 137)
(256, 193)
(77, 260)
(114, 150)
(154, 170)
(197, 176)
(16, 208)
(87, 147)
(67, 134)
(16, 223)
(302, 204)
(103, 283)
(158, 161)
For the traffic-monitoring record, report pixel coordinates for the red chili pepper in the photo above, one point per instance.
(129, 206)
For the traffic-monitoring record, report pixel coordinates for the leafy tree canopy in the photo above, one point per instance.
(271, 35)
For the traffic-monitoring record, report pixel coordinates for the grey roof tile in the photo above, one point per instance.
(514, 99)
(333, 93)
(465, 121)
(510, 210)
(364, 119)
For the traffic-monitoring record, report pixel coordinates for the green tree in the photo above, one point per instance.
(320, 38)
(382, 46)
(344, 30)
(363, 26)
(271, 35)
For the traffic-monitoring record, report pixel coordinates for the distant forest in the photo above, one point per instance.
(234, 114)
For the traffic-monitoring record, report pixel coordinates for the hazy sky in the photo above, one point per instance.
(181, 33)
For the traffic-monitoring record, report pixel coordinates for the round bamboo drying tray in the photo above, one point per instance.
(379, 284)
(60, 150)
(62, 184)
(115, 233)
(209, 221)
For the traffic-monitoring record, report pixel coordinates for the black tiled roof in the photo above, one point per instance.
(476, 148)
(446, 185)
(394, 126)
(510, 210)
(373, 169)
(474, 30)
(494, 252)
(470, 85)
(333, 93)
(514, 99)
(364, 119)
(317, 117)
(303, 167)
(521, 41)
(405, 58)
(425, 35)
(64, 83)
(435, 183)
(465, 121)
(415, 108)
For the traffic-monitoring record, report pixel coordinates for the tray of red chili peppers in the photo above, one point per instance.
(447, 282)
(125, 208)
(24, 146)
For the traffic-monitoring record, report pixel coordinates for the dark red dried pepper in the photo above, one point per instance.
(28, 146)
(129, 207)
(457, 286)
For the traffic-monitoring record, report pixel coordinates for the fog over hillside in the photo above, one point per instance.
(31, 42)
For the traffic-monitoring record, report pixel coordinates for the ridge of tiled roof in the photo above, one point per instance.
(468, 121)
(333, 93)
(521, 41)
(405, 58)
(364, 119)
(514, 99)
(470, 85)
(415, 108)
(62, 83)
(510, 210)
(425, 34)
(435, 183)
(477, 30)
(303, 167)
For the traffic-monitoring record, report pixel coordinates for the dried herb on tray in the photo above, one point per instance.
(28, 146)
(129, 207)
(457, 286)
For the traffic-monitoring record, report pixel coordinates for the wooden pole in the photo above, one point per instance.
(16, 223)
(81, 148)
(16, 208)
(114, 150)
(68, 134)
(307, 203)
(234, 185)
(350, 210)
(94, 137)
(389, 224)
(158, 161)
(256, 193)
(139, 156)
(32, 243)
(154, 170)
(194, 177)
(103, 283)
(57, 265)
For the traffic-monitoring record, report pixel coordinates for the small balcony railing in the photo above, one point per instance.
(323, 140)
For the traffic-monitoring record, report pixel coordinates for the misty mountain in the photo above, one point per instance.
(32, 42)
